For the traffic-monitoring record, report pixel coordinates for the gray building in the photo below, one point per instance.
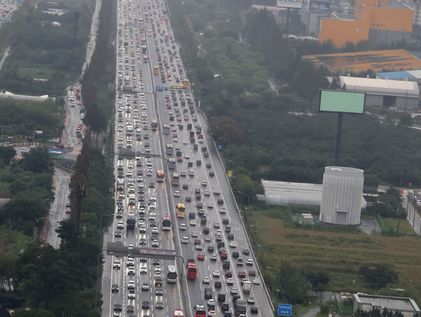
(405, 305)
(341, 195)
(384, 93)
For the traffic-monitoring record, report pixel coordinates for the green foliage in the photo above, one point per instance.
(42, 50)
(6, 154)
(37, 160)
(378, 276)
(293, 285)
(318, 279)
(388, 205)
(33, 312)
(24, 117)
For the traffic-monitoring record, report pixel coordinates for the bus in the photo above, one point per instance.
(166, 129)
(180, 210)
(156, 70)
(175, 179)
(185, 83)
(172, 274)
(154, 125)
(191, 270)
(171, 163)
(160, 176)
(169, 149)
(166, 223)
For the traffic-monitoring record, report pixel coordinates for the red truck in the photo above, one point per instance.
(191, 270)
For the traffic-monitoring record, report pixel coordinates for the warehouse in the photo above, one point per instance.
(384, 93)
(405, 305)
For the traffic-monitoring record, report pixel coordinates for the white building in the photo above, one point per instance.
(384, 93)
(405, 305)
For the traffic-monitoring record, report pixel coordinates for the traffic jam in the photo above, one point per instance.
(168, 194)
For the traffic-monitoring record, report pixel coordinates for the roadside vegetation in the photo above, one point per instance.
(47, 51)
(19, 119)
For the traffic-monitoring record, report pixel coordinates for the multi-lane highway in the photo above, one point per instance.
(157, 128)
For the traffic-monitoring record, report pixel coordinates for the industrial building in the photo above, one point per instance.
(384, 93)
(341, 195)
(377, 21)
(405, 305)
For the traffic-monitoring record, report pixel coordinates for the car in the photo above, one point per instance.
(131, 295)
(204, 183)
(185, 186)
(256, 281)
(249, 262)
(232, 244)
(230, 281)
(193, 223)
(228, 274)
(116, 265)
(145, 287)
(207, 193)
(235, 254)
(216, 225)
(182, 227)
(114, 288)
(251, 300)
(217, 284)
(254, 310)
(177, 193)
(234, 291)
(118, 307)
(206, 280)
(159, 292)
(211, 303)
(216, 273)
(222, 211)
(188, 199)
(213, 257)
(145, 305)
(159, 305)
(117, 234)
(184, 239)
(130, 309)
(194, 234)
(240, 262)
(143, 269)
(246, 252)
(131, 272)
(242, 274)
(220, 201)
(200, 257)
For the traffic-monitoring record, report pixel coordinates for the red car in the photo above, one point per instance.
(242, 274)
(228, 274)
(200, 257)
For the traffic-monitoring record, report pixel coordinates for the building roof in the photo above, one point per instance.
(377, 86)
(416, 73)
(405, 304)
(395, 75)
(292, 193)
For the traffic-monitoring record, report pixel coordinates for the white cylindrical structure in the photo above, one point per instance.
(342, 195)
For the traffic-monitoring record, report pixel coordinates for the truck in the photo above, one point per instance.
(131, 223)
(246, 285)
(191, 270)
(240, 307)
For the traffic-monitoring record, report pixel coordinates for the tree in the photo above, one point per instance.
(378, 275)
(33, 312)
(318, 280)
(37, 160)
(293, 285)
(6, 154)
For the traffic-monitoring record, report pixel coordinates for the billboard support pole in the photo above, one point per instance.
(287, 28)
(338, 137)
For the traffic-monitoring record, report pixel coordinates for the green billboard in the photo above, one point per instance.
(342, 101)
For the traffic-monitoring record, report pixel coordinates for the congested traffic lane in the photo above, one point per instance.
(213, 216)
(132, 280)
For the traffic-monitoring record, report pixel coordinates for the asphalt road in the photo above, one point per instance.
(135, 112)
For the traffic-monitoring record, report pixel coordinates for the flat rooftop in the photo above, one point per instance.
(389, 302)
(378, 61)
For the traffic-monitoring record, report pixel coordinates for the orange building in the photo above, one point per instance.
(375, 21)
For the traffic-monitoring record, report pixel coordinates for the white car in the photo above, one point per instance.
(193, 223)
(256, 281)
(232, 244)
(216, 274)
(206, 280)
(230, 281)
(117, 265)
(185, 240)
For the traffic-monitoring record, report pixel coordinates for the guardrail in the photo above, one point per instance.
(238, 210)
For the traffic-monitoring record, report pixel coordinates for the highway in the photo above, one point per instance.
(156, 118)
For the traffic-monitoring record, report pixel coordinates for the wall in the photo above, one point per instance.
(392, 19)
(413, 217)
(377, 37)
(342, 31)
